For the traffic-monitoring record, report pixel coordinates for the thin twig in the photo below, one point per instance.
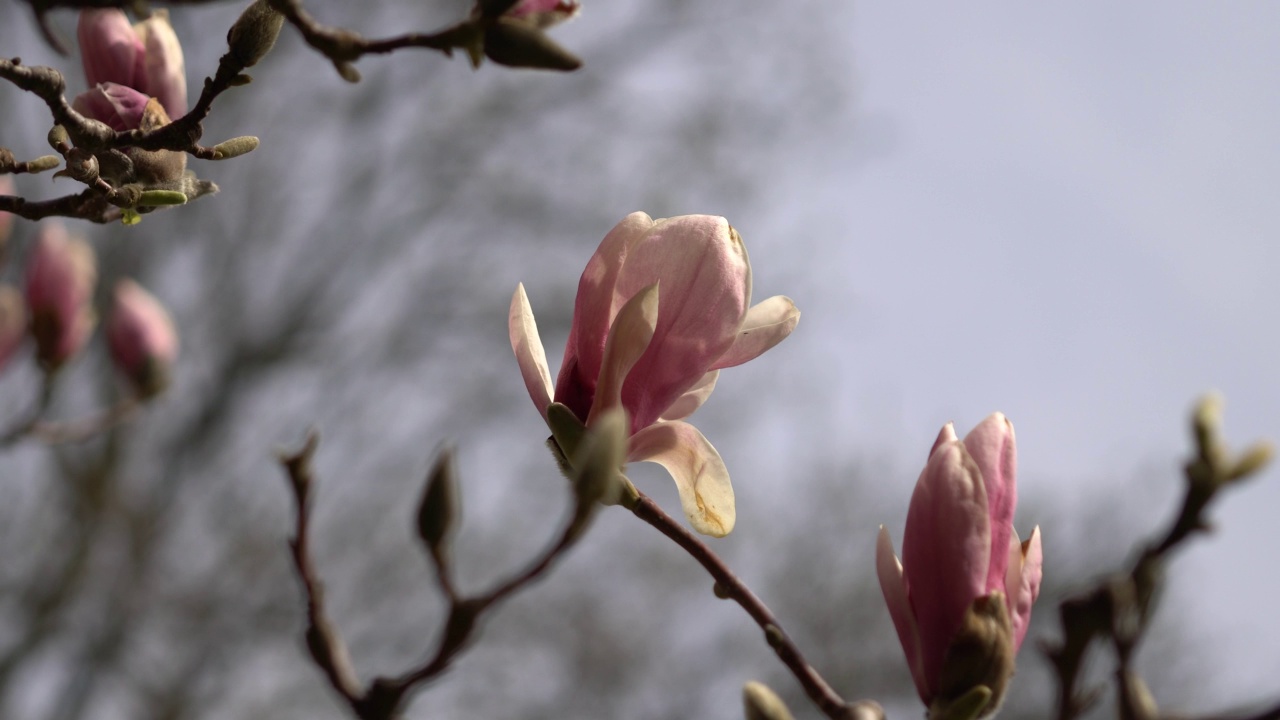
(730, 586)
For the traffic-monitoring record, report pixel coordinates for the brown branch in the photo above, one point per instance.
(730, 586)
(1119, 607)
(384, 696)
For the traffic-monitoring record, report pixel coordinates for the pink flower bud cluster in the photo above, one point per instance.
(57, 315)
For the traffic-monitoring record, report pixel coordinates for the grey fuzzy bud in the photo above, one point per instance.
(438, 512)
(516, 43)
(254, 33)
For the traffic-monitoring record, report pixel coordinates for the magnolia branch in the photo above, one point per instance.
(1119, 607)
(730, 586)
(384, 696)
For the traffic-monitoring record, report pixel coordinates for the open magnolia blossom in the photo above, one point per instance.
(961, 597)
(662, 306)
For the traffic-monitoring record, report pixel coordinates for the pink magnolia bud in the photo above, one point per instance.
(110, 50)
(119, 106)
(13, 323)
(146, 57)
(141, 338)
(60, 275)
(544, 13)
(961, 596)
(662, 306)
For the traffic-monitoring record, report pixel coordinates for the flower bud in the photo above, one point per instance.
(761, 703)
(119, 106)
(146, 57)
(254, 33)
(516, 43)
(60, 276)
(961, 597)
(142, 339)
(13, 323)
(438, 513)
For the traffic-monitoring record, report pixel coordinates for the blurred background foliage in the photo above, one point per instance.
(353, 276)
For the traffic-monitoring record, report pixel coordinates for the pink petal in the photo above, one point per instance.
(628, 338)
(767, 323)
(141, 337)
(1022, 582)
(593, 311)
(701, 477)
(893, 585)
(528, 350)
(165, 71)
(992, 446)
(706, 287)
(109, 48)
(119, 106)
(946, 550)
(946, 435)
(688, 403)
(61, 273)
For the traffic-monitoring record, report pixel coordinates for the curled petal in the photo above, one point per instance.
(688, 403)
(701, 477)
(992, 446)
(593, 311)
(528, 349)
(946, 549)
(109, 48)
(630, 335)
(119, 106)
(767, 323)
(706, 287)
(1022, 582)
(893, 585)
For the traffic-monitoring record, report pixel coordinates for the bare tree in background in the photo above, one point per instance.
(352, 277)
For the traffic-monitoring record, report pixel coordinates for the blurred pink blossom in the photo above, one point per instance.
(60, 276)
(963, 568)
(141, 337)
(662, 306)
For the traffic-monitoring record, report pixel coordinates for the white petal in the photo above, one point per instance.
(701, 477)
(686, 404)
(766, 324)
(528, 349)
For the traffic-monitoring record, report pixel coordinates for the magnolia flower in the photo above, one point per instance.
(13, 322)
(146, 57)
(141, 338)
(961, 597)
(662, 306)
(6, 219)
(60, 274)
